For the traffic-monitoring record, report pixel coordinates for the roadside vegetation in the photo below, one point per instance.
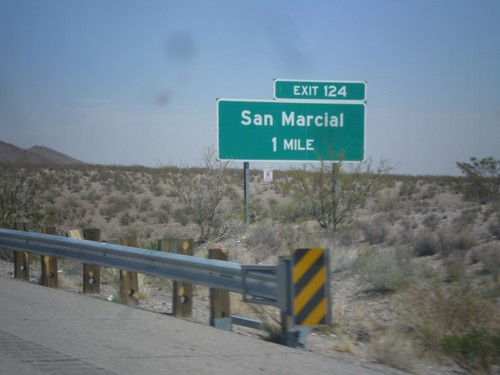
(415, 259)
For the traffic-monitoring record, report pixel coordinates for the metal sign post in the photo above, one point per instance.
(246, 191)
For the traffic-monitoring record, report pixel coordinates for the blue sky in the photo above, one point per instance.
(136, 82)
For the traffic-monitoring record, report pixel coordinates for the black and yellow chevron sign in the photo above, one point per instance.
(311, 305)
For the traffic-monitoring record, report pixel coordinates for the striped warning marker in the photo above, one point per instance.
(310, 282)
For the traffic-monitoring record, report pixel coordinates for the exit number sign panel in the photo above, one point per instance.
(320, 90)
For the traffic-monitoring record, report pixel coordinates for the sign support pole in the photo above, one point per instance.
(246, 190)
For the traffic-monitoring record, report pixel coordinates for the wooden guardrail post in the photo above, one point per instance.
(220, 306)
(21, 260)
(129, 283)
(182, 299)
(49, 265)
(91, 272)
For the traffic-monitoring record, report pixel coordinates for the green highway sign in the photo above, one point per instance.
(320, 90)
(269, 130)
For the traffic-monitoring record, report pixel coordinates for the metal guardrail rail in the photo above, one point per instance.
(258, 284)
(298, 285)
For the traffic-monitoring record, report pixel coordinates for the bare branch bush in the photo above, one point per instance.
(331, 196)
(207, 196)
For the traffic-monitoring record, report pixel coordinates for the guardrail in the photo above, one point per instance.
(268, 285)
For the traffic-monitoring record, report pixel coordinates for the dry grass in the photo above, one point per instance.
(386, 271)
(394, 349)
(435, 310)
(347, 345)
(344, 258)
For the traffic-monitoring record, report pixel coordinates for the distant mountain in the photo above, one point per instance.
(33, 155)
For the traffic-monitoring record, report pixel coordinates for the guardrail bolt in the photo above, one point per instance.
(21, 265)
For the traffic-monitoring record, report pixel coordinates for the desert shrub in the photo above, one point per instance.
(456, 240)
(348, 235)
(494, 226)
(375, 232)
(454, 267)
(22, 196)
(145, 204)
(284, 212)
(408, 189)
(7, 255)
(466, 219)
(431, 221)
(267, 211)
(264, 239)
(161, 216)
(475, 350)
(166, 206)
(489, 256)
(424, 243)
(73, 182)
(115, 205)
(429, 192)
(93, 197)
(437, 312)
(421, 206)
(344, 258)
(482, 179)
(386, 271)
(256, 209)
(181, 216)
(155, 186)
(172, 193)
(329, 195)
(489, 210)
(126, 219)
(387, 201)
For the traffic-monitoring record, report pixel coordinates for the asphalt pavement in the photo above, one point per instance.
(49, 331)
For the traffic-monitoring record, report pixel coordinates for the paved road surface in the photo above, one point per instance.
(47, 331)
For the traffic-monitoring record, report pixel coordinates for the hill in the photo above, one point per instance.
(34, 155)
